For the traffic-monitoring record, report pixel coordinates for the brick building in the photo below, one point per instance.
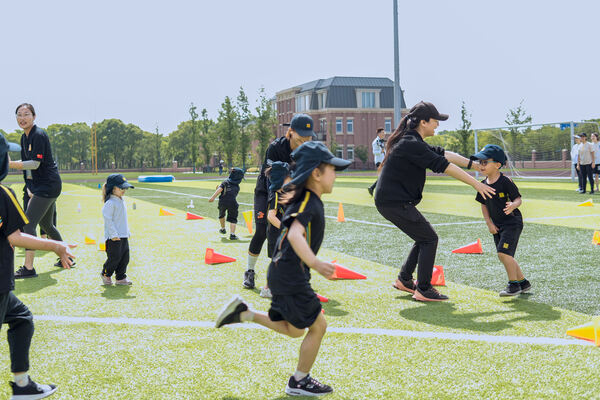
(347, 110)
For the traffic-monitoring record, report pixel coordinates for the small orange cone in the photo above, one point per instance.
(211, 257)
(437, 277)
(596, 238)
(471, 248)
(587, 203)
(345, 273)
(89, 240)
(322, 299)
(589, 331)
(192, 216)
(248, 218)
(164, 213)
(340, 216)
(102, 246)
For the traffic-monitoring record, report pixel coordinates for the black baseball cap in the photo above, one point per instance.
(425, 110)
(492, 151)
(302, 124)
(309, 155)
(279, 171)
(119, 181)
(5, 147)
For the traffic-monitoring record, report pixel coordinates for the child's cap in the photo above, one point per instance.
(279, 171)
(492, 151)
(119, 181)
(5, 147)
(310, 155)
(236, 175)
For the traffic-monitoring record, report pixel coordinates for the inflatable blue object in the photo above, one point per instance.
(156, 178)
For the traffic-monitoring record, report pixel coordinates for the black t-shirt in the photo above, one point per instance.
(287, 273)
(12, 218)
(278, 150)
(402, 177)
(274, 204)
(46, 180)
(229, 193)
(506, 191)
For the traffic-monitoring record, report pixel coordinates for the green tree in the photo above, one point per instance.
(206, 139)
(228, 129)
(157, 147)
(194, 117)
(463, 133)
(81, 137)
(244, 120)
(265, 123)
(110, 134)
(362, 153)
(517, 116)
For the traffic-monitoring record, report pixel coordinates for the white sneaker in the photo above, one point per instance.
(266, 293)
(124, 282)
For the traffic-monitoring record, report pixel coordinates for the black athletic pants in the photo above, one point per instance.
(586, 174)
(413, 223)
(117, 252)
(26, 199)
(579, 177)
(40, 210)
(374, 185)
(20, 331)
(261, 200)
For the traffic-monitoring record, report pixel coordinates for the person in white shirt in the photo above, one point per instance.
(586, 163)
(596, 144)
(574, 158)
(378, 147)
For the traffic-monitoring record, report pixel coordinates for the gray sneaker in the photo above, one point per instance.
(106, 280)
(123, 282)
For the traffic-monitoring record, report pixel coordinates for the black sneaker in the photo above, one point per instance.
(370, 190)
(23, 272)
(249, 279)
(406, 286)
(32, 391)
(230, 314)
(233, 237)
(430, 294)
(223, 231)
(525, 286)
(58, 264)
(308, 386)
(512, 289)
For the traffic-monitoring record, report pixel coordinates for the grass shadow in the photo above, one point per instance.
(227, 240)
(331, 308)
(444, 314)
(32, 285)
(117, 292)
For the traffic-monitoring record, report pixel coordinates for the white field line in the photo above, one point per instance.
(360, 331)
(390, 225)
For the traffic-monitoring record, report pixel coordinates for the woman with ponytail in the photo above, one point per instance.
(400, 189)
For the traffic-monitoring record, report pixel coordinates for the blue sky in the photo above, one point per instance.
(145, 61)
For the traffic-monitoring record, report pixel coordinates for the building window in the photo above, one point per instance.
(322, 99)
(367, 98)
(350, 126)
(339, 152)
(339, 129)
(323, 125)
(350, 152)
(303, 102)
(388, 125)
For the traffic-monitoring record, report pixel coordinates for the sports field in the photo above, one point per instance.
(155, 340)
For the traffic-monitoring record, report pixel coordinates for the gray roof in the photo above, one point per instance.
(362, 82)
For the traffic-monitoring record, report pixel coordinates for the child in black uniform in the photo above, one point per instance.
(502, 215)
(228, 190)
(279, 175)
(12, 311)
(295, 305)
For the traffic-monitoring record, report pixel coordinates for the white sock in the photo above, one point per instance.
(298, 376)
(251, 262)
(21, 379)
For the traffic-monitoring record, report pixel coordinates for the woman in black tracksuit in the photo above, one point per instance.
(400, 189)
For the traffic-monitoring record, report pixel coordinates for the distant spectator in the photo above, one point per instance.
(574, 158)
(596, 144)
(586, 163)
(378, 147)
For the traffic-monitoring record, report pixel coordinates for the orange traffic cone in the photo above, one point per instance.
(437, 277)
(192, 216)
(102, 246)
(164, 213)
(345, 273)
(211, 257)
(248, 218)
(340, 217)
(596, 237)
(471, 248)
(322, 299)
(89, 240)
(589, 331)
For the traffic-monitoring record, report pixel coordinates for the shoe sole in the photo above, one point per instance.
(228, 309)
(398, 285)
(34, 396)
(526, 290)
(300, 392)
(506, 294)
(124, 284)
(419, 297)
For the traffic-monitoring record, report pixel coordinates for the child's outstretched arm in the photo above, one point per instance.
(215, 194)
(512, 205)
(296, 237)
(488, 220)
(62, 249)
(459, 160)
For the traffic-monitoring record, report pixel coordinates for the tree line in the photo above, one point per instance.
(196, 143)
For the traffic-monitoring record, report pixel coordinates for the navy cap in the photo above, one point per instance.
(425, 110)
(279, 171)
(492, 151)
(119, 181)
(5, 147)
(302, 124)
(310, 155)
(236, 175)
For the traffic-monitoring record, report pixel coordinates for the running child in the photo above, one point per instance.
(502, 215)
(227, 192)
(279, 175)
(295, 306)
(12, 312)
(116, 230)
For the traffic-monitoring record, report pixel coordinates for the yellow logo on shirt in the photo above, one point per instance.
(505, 245)
(29, 147)
(500, 194)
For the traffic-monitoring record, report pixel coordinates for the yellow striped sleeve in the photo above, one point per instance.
(16, 204)
(303, 205)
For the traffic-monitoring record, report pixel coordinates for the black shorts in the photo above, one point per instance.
(261, 202)
(596, 169)
(300, 309)
(232, 212)
(507, 239)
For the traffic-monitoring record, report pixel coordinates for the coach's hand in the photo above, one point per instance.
(324, 268)
(484, 190)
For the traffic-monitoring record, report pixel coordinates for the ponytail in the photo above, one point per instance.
(409, 122)
(106, 193)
